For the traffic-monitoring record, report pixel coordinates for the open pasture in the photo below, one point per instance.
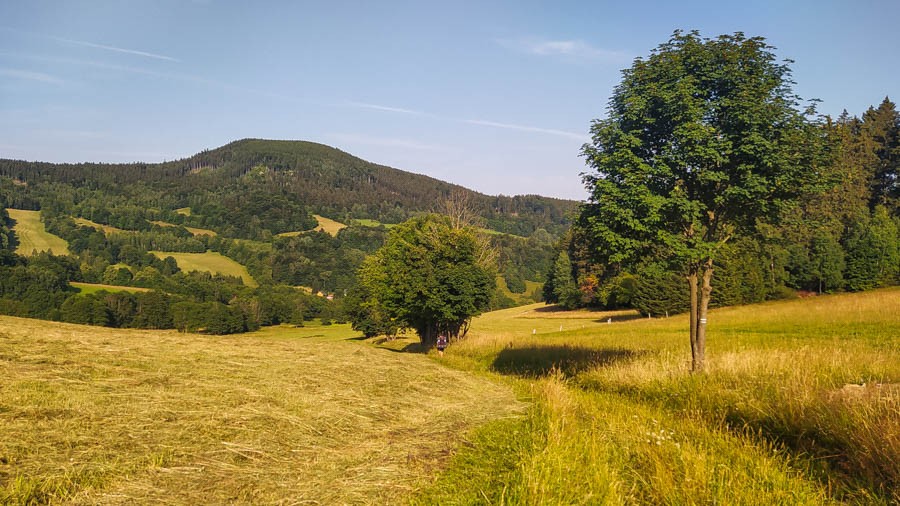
(32, 235)
(210, 261)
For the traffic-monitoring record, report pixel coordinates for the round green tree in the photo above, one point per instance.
(702, 139)
(427, 277)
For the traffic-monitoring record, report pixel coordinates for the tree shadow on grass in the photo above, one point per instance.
(536, 361)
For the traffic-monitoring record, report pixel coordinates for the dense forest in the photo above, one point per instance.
(235, 201)
(843, 238)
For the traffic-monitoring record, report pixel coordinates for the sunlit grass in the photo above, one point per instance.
(32, 235)
(192, 230)
(210, 261)
(89, 288)
(285, 415)
(106, 229)
(780, 417)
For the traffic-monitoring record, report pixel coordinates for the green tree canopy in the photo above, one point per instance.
(702, 139)
(427, 277)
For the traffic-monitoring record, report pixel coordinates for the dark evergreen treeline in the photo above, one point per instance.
(845, 238)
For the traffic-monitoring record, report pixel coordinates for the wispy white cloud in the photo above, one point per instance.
(385, 108)
(116, 49)
(578, 50)
(390, 142)
(30, 76)
(527, 128)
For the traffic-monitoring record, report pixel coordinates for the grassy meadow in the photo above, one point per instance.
(88, 288)
(326, 225)
(800, 404)
(32, 235)
(106, 229)
(285, 415)
(210, 261)
(193, 230)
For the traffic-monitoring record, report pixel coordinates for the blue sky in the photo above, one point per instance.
(496, 96)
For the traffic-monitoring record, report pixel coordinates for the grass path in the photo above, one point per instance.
(32, 235)
(289, 416)
(210, 261)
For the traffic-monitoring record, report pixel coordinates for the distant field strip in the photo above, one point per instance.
(284, 416)
(193, 230)
(209, 262)
(326, 225)
(32, 235)
(86, 288)
(105, 228)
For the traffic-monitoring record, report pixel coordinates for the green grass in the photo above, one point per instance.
(780, 416)
(186, 211)
(32, 235)
(88, 288)
(106, 229)
(193, 230)
(283, 416)
(210, 261)
(366, 222)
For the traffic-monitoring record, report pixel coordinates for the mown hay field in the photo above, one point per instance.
(212, 262)
(32, 235)
(282, 416)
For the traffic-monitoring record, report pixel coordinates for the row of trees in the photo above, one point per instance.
(706, 172)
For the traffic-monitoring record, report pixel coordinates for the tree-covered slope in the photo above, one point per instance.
(275, 186)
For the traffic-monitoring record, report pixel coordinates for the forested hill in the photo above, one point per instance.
(277, 185)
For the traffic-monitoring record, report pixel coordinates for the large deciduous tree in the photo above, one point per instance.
(427, 277)
(702, 139)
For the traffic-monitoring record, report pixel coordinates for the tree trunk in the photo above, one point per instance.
(702, 310)
(692, 280)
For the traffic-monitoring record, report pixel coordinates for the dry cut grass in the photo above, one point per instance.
(32, 235)
(210, 261)
(283, 416)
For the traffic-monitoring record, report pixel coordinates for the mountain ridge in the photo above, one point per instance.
(327, 180)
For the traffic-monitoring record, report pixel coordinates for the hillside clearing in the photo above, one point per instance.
(193, 230)
(88, 288)
(32, 235)
(211, 262)
(106, 229)
(99, 416)
(326, 225)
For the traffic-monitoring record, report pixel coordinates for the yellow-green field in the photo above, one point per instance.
(800, 404)
(326, 225)
(32, 235)
(105, 228)
(366, 222)
(186, 211)
(87, 288)
(282, 416)
(193, 230)
(210, 261)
